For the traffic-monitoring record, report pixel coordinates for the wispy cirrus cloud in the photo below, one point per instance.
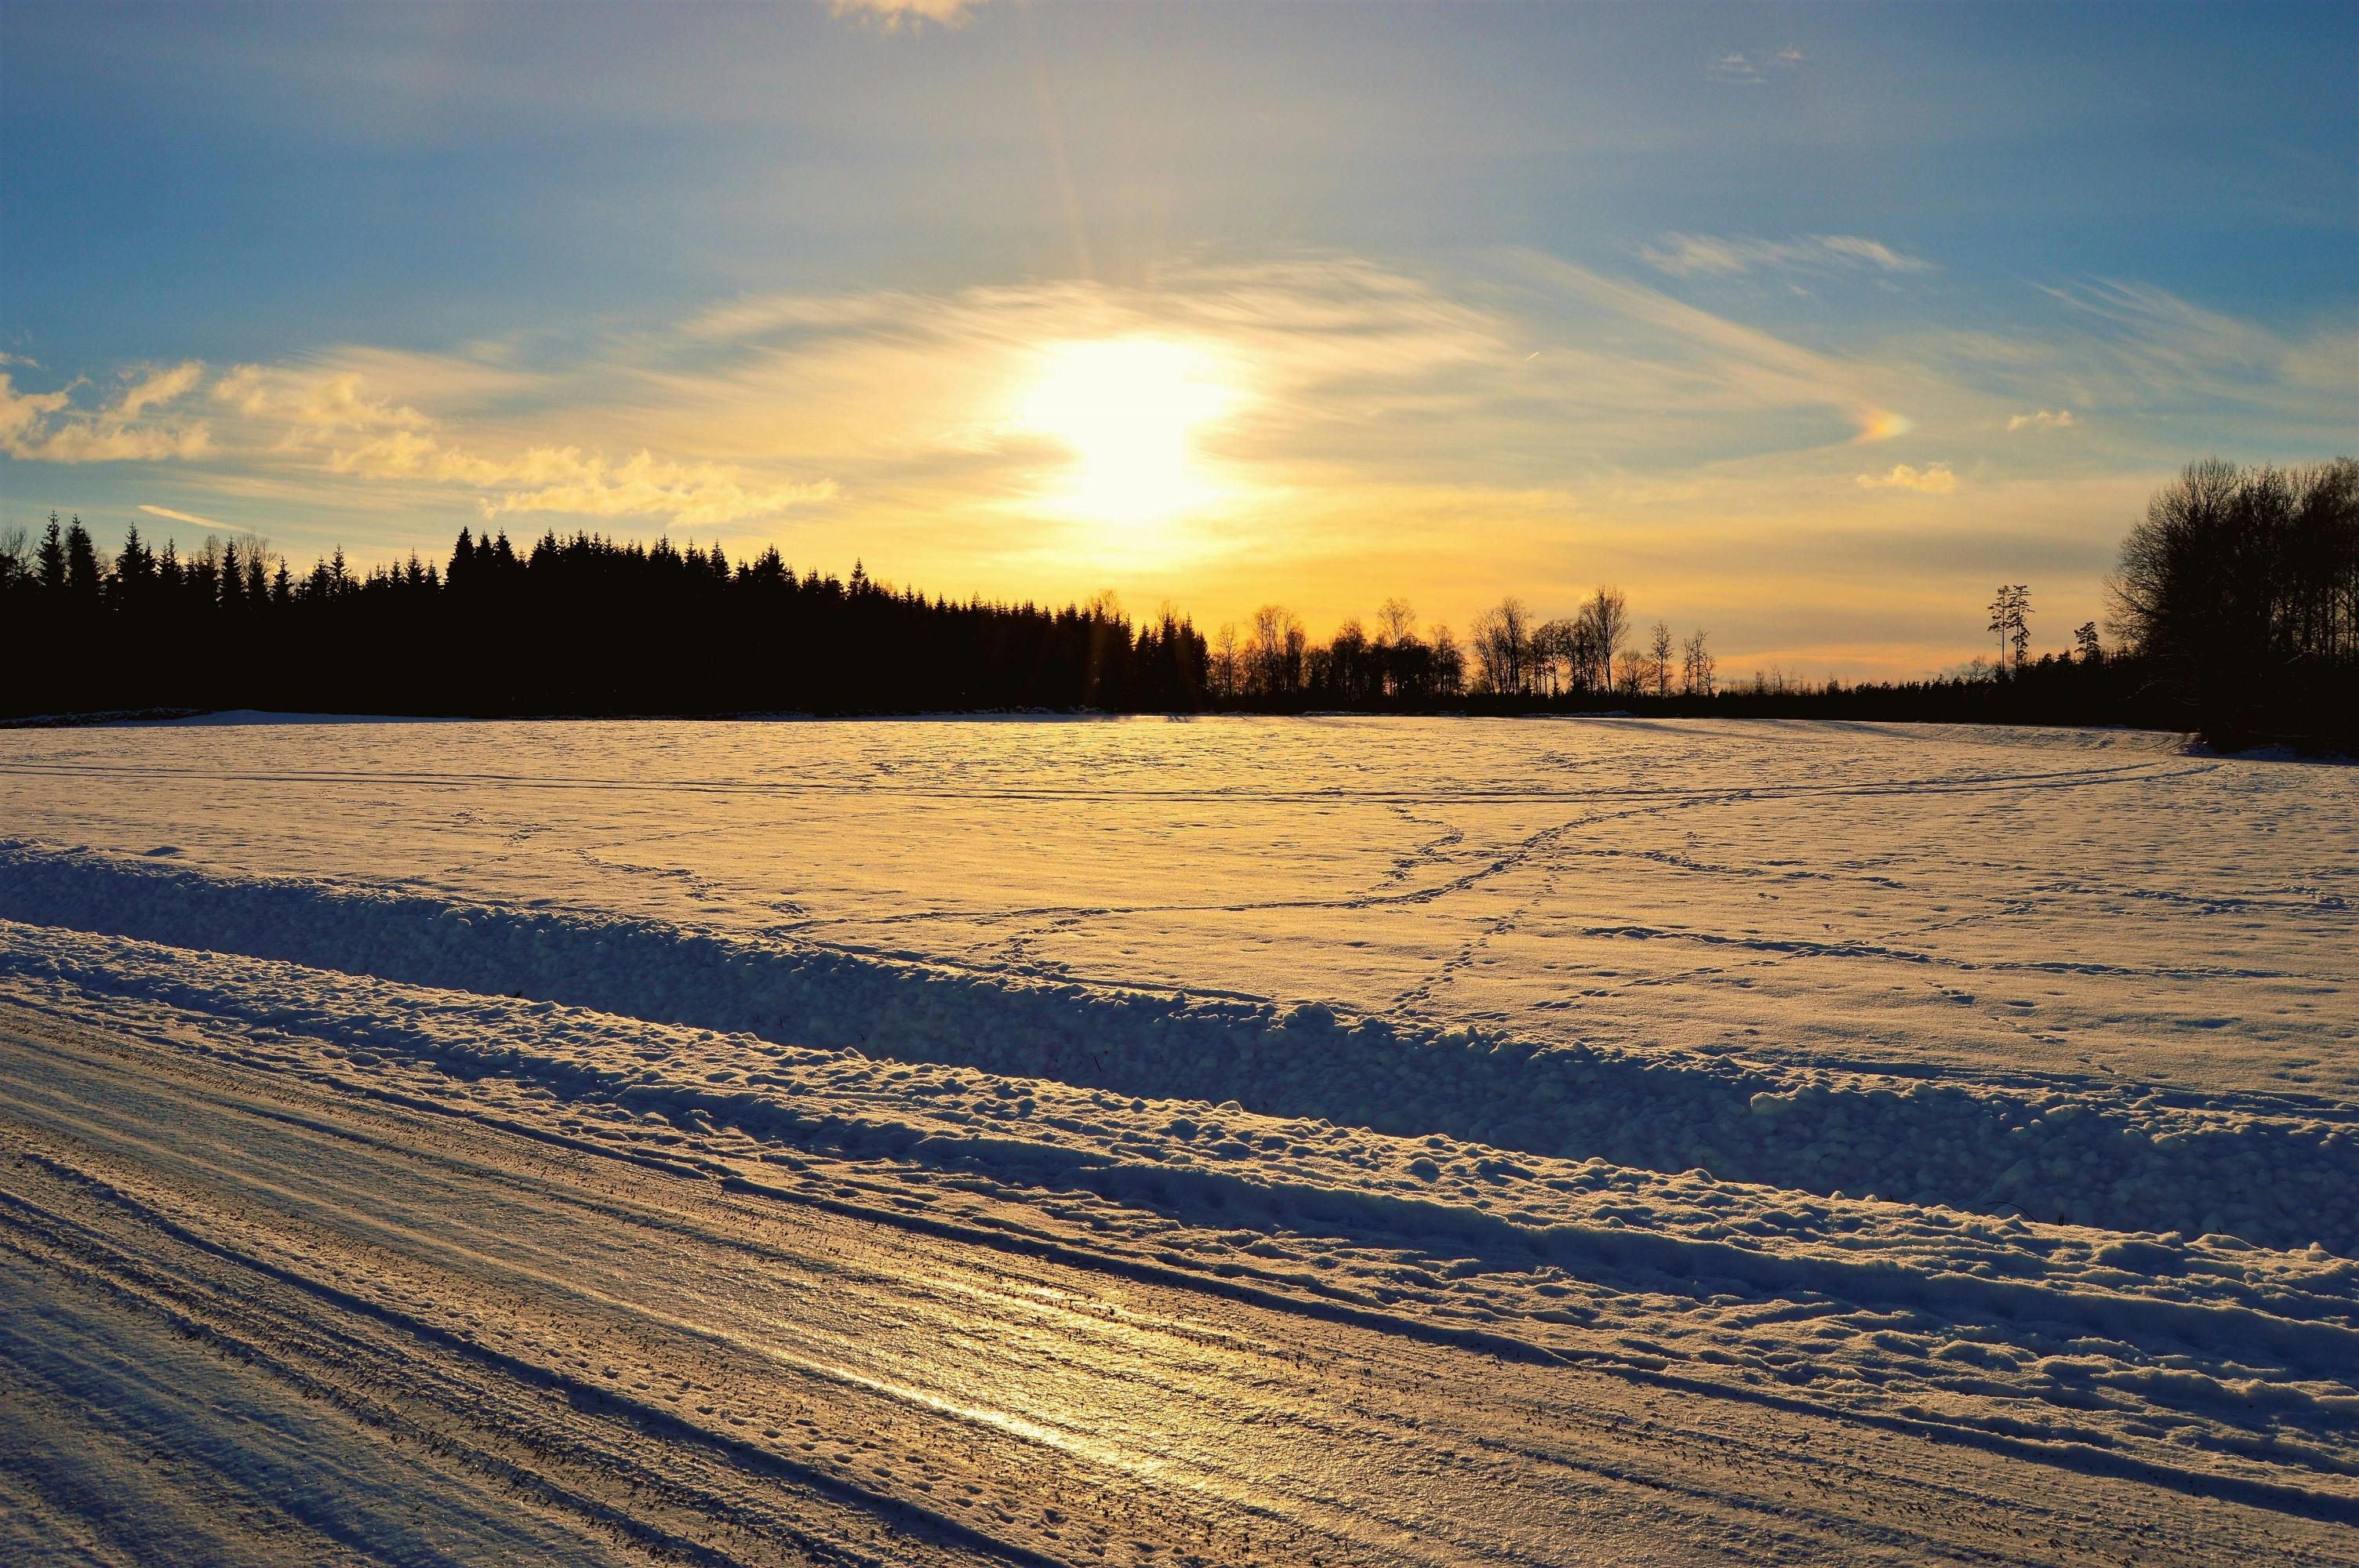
(1724, 364)
(1693, 255)
(2158, 342)
(2157, 363)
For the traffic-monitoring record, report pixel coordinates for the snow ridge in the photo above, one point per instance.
(2272, 1172)
(2209, 1366)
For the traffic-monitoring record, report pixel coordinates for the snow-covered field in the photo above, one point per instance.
(1238, 1140)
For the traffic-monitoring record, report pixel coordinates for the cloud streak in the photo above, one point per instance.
(170, 516)
(1707, 255)
(1731, 365)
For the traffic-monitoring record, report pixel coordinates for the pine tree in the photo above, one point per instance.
(135, 571)
(82, 572)
(51, 561)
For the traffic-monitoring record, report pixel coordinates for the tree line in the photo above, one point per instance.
(2234, 610)
(587, 625)
(582, 625)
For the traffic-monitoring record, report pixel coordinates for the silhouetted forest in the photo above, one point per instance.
(2235, 611)
(582, 625)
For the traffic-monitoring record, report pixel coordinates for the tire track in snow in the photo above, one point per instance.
(1488, 1461)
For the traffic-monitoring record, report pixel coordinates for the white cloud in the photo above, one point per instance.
(1755, 68)
(309, 409)
(159, 386)
(1933, 479)
(1691, 255)
(46, 427)
(311, 404)
(2041, 419)
(894, 14)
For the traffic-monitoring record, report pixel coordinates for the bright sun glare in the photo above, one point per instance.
(1128, 408)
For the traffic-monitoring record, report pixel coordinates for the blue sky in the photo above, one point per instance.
(1806, 324)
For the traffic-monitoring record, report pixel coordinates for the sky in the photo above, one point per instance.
(1803, 325)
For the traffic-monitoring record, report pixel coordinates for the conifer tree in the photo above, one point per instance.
(50, 564)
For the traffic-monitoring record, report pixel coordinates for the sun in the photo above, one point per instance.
(1128, 410)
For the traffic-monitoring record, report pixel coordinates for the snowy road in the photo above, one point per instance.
(1232, 1142)
(264, 1321)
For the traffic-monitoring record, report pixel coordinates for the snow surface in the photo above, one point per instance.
(1979, 1105)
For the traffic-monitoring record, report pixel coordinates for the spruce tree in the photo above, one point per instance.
(52, 561)
(82, 572)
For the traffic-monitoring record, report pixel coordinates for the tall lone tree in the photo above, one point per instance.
(2009, 613)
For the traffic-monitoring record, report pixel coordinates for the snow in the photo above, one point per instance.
(2008, 902)
(1988, 1090)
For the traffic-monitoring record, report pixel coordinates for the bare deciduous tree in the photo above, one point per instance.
(1503, 648)
(1275, 650)
(1696, 666)
(2240, 587)
(1592, 643)
(1228, 673)
(16, 553)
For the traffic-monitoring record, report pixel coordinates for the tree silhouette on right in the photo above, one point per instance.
(2239, 593)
